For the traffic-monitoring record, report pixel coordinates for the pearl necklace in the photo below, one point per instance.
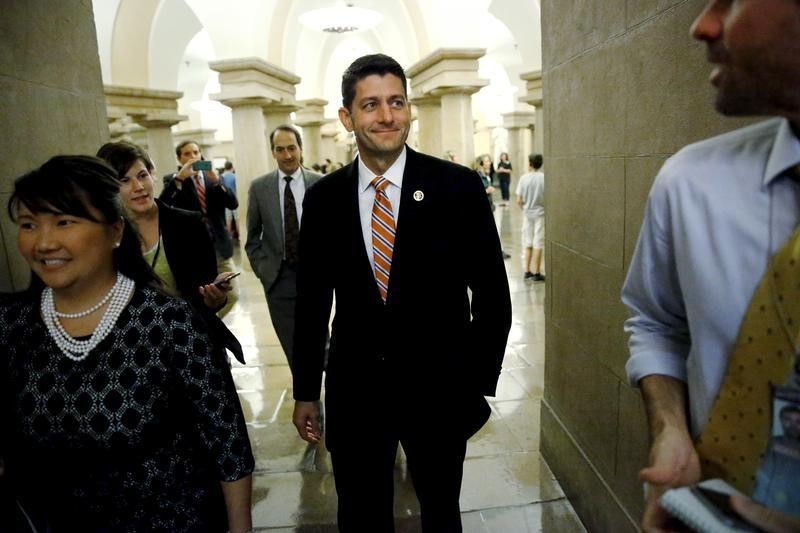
(92, 309)
(78, 350)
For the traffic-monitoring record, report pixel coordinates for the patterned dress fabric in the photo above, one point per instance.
(136, 437)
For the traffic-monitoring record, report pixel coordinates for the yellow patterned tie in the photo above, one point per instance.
(739, 427)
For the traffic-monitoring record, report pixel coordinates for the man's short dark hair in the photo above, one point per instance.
(179, 148)
(364, 66)
(228, 165)
(289, 129)
(536, 161)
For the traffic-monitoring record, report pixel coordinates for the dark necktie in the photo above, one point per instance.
(291, 225)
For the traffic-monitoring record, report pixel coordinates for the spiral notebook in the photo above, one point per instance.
(704, 507)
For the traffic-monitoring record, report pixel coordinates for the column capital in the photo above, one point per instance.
(253, 81)
(312, 112)
(150, 108)
(460, 89)
(425, 100)
(447, 68)
(518, 119)
(533, 86)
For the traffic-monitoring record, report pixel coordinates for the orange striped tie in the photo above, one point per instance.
(382, 234)
(201, 192)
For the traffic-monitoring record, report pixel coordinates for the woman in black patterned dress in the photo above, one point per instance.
(116, 414)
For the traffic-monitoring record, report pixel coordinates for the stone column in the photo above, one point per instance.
(519, 124)
(160, 145)
(429, 117)
(311, 117)
(154, 110)
(328, 147)
(253, 89)
(457, 113)
(446, 79)
(535, 97)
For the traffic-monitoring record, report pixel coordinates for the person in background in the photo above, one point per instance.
(117, 414)
(504, 178)
(203, 191)
(530, 198)
(274, 212)
(231, 215)
(175, 242)
(483, 166)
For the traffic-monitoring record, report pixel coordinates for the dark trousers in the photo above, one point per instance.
(281, 301)
(364, 475)
(505, 182)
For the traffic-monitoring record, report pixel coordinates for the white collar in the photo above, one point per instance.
(394, 174)
(297, 174)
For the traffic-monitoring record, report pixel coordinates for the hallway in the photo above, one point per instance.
(507, 486)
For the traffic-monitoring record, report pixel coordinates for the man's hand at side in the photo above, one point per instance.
(673, 459)
(306, 420)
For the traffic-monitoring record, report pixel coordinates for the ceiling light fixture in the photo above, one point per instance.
(341, 19)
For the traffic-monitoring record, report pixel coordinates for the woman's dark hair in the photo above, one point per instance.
(71, 184)
(121, 155)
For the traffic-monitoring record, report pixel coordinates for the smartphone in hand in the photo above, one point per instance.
(226, 279)
(201, 165)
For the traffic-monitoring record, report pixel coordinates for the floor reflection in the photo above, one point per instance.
(507, 486)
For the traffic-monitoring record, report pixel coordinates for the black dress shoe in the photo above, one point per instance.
(528, 275)
(538, 277)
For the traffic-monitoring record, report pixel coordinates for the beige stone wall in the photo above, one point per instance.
(625, 87)
(52, 100)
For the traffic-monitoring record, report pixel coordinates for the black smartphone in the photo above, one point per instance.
(226, 279)
(719, 504)
(201, 165)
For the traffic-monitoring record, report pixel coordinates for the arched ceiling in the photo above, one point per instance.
(166, 44)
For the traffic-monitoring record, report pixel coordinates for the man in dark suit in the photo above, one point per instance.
(274, 212)
(203, 191)
(402, 239)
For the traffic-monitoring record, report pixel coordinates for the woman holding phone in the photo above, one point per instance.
(117, 415)
(175, 242)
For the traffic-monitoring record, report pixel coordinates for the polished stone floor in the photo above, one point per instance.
(507, 488)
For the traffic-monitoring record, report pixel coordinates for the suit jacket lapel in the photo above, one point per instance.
(412, 182)
(273, 206)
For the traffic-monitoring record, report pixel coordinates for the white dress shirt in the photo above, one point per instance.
(718, 210)
(366, 196)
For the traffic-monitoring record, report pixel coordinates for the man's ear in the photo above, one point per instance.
(345, 118)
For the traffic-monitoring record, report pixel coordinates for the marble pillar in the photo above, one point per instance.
(429, 130)
(457, 113)
(259, 95)
(329, 132)
(154, 110)
(446, 79)
(311, 117)
(520, 144)
(535, 97)
(160, 146)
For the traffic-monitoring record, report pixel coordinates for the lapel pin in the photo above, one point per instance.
(419, 195)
